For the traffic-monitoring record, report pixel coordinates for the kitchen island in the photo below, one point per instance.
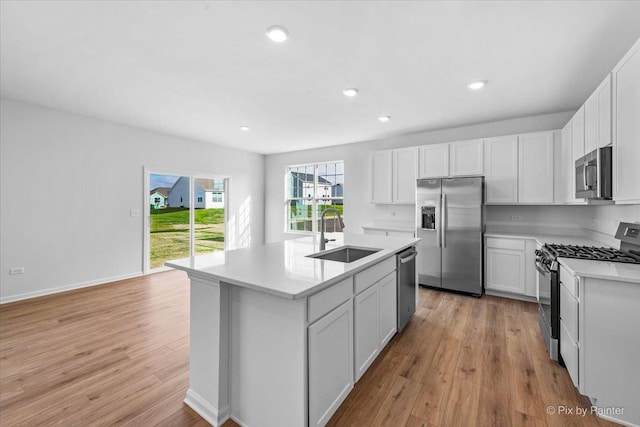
(278, 337)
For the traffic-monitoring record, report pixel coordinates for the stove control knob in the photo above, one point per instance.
(538, 252)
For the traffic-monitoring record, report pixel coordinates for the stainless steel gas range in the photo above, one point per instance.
(548, 291)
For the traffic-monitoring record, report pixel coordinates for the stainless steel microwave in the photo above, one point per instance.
(593, 175)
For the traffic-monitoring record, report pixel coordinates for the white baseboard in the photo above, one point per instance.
(51, 291)
(509, 295)
(212, 415)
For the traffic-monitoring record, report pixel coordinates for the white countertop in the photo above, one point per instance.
(546, 238)
(606, 270)
(283, 268)
(579, 267)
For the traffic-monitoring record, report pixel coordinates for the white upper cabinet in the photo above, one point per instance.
(460, 158)
(466, 158)
(501, 169)
(604, 112)
(567, 165)
(381, 176)
(393, 176)
(577, 133)
(535, 168)
(405, 173)
(626, 128)
(597, 117)
(568, 169)
(434, 161)
(591, 123)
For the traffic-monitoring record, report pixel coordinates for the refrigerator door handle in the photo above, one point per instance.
(438, 224)
(443, 221)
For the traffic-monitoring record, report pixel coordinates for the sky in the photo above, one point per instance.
(156, 181)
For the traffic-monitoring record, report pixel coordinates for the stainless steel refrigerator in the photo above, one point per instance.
(450, 223)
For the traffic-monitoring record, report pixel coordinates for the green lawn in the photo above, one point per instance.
(169, 234)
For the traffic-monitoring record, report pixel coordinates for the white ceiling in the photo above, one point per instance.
(200, 70)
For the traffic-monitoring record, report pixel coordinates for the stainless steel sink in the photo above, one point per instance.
(345, 254)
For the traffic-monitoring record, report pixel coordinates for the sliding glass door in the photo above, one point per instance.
(186, 217)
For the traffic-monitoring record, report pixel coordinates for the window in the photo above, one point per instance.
(180, 224)
(216, 197)
(310, 189)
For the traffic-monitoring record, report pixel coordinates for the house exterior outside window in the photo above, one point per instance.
(310, 189)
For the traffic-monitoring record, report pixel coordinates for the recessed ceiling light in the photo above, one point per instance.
(476, 85)
(277, 33)
(244, 128)
(351, 92)
(384, 119)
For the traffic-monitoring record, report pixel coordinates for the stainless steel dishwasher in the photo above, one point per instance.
(406, 271)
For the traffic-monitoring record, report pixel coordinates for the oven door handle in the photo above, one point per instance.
(542, 269)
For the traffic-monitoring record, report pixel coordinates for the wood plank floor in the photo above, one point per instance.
(117, 354)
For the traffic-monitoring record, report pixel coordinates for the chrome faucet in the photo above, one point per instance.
(324, 241)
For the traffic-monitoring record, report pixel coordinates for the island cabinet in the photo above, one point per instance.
(284, 347)
(330, 363)
(374, 312)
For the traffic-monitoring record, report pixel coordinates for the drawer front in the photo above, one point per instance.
(569, 312)
(570, 281)
(569, 352)
(515, 244)
(373, 274)
(328, 299)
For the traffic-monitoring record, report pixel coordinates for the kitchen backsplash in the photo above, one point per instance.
(599, 222)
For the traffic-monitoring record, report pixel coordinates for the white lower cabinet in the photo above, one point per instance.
(330, 363)
(505, 265)
(375, 312)
(569, 338)
(366, 329)
(344, 342)
(388, 309)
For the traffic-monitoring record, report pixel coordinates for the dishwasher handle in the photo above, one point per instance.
(407, 255)
(408, 258)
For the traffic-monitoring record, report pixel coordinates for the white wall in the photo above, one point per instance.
(358, 210)
(605, 219)
(54, 163)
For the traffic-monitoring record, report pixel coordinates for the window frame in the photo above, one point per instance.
(314, 198)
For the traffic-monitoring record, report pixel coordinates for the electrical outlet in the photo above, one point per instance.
(516, 217)
(17, 270)
(134, 212)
